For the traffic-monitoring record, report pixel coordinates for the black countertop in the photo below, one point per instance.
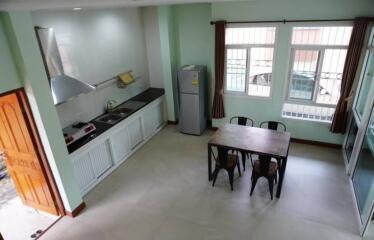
(147, 96)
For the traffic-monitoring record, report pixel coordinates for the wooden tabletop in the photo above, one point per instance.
(252, 139)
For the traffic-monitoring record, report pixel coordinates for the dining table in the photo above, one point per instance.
(252, 140)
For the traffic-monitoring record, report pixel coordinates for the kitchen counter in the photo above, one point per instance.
(147, 96)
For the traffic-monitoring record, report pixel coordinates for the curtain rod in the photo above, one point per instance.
(289, 21)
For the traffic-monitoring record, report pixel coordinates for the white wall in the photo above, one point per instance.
(152, 39)
(96, 45)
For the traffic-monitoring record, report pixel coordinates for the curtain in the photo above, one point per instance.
(218, 110)
(356, 43)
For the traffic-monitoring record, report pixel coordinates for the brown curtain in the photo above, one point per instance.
(356, 43)
(218, 110)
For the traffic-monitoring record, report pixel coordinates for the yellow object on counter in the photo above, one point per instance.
(126, 78)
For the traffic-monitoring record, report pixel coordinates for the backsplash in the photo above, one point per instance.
(85, 107)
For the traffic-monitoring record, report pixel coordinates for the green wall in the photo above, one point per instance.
(29, 65)
(168, 59)
(9, 79)
(194, 36)
(195, 44)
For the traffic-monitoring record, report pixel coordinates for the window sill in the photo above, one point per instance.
(307, 120)
(243, 95)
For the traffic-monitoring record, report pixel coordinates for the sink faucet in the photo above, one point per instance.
(110, 105)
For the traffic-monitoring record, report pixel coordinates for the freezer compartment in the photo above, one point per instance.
(188, 82)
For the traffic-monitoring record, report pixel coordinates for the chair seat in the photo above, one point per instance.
(231, 160)
(273, 166)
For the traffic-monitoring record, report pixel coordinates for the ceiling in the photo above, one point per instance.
(31, 5)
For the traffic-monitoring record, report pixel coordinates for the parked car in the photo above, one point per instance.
(300, 82)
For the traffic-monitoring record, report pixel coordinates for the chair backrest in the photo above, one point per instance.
(264, 164)
(223, 158)
(244, 121)
(274, 125)
(223, 154)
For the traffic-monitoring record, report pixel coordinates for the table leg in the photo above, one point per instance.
(209, 162)
(281, 176)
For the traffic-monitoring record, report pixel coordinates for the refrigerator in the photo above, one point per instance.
(192, 99)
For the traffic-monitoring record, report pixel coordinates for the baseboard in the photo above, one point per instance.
(76, 211)
(316, 143)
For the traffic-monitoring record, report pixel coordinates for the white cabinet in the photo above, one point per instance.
(120, 144)
(89, 166)
(101, 158)
(102, 155)
(84, 172)
(135, 132)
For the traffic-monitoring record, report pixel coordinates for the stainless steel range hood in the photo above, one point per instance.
(63, 86)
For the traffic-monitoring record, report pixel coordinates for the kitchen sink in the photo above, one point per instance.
(123, 112)
(110, 118)
(133, 105)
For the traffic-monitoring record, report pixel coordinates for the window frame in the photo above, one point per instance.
(369, 49)
(248, 47)
(321, 48)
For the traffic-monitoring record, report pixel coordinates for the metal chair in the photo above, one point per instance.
(274, 125)
(264, 167)
(243, 121)
(227, 161)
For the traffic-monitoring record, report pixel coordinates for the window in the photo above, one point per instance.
(317, 60)
(249, 60)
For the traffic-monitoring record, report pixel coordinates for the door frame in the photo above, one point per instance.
(362, 127)
(38, 145)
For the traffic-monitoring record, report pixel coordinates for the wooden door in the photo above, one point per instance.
(22, 158)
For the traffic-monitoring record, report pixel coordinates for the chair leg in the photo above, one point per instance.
(254, 181)
(271, 185)
(215, 174)
(276, 177)
(231, 178)
(238, 165)
(243, 160)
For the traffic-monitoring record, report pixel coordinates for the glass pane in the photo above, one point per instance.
(363, 178)
(353, 129)
(250, 35)
(303, 74)
(236, 63)
(332, 35)
(365, 85)
(260, 70)
(331, 76)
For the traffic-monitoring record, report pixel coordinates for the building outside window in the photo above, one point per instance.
(249, 59)
(316, 66)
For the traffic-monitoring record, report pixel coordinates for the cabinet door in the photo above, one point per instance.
(153, 118)
(101, 158)
(149, 119)
(83, 171)
(159, 115)
(135, 132)
(120, 144)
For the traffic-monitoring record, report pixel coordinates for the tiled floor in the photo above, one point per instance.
(18, 222)
(162, 192)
